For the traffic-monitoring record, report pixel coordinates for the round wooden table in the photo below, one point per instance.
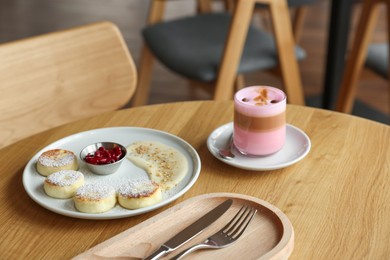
(337, 197)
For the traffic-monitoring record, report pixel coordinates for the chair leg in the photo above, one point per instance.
(265, 18)
(357, 55)
(239, 83)
(204, 6)
(144, 77)
(156, 13)
(229, 5)
(233, 50)
(285, 42)
(298, 22)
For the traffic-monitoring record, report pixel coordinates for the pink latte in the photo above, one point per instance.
(259, 120)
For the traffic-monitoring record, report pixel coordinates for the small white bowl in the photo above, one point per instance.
(103, 169)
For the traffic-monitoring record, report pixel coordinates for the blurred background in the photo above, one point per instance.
(25, 18)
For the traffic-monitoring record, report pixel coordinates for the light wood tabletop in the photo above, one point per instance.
(337, 197)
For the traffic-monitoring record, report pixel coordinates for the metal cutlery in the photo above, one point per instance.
(227, 235)
(191, 231)
(226, 151)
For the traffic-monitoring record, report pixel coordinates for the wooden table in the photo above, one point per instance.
(337, 198)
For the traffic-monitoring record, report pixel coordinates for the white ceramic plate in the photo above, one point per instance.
(33, 182)
(297, 146)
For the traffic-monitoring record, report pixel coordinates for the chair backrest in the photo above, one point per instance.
(56, 78)
(301, 7)
(232, 49)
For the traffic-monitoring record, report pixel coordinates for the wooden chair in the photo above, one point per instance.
(52, 79)
(298, 9)
(357, 56)
(235, 48)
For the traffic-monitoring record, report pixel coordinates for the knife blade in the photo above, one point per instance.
(191, 231)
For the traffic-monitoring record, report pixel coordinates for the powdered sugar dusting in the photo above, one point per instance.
(95, 191)
(56, 158)
(137, 188)
(64, 178)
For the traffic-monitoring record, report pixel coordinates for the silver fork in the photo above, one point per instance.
(227, 235)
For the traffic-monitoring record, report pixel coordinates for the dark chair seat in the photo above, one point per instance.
(293, 3)
(378, 59)
(193, 46)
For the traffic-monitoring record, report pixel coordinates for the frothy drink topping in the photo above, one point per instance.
(260, 96)
(260, 101)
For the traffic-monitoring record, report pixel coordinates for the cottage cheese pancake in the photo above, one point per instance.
(56, 160)
(165, 165)
(63, 184)
(95, 198)
(137, 194)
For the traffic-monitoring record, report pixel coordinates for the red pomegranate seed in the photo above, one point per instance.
(104, 156)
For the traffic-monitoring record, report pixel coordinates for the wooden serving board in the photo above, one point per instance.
(269, 236)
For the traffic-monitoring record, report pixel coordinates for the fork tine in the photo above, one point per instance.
(243, 218)
(222, 238)
(244, 224)
(233, 221)
(238, 220)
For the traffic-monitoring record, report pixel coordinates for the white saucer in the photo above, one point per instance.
(297, 146)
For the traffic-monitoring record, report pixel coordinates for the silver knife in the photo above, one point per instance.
(191, 231)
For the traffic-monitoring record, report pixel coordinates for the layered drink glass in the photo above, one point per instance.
(259, 120)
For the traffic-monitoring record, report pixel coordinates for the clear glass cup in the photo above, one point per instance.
(259, 120)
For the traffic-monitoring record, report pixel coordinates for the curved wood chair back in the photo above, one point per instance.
(357, 56)
(56, 78)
